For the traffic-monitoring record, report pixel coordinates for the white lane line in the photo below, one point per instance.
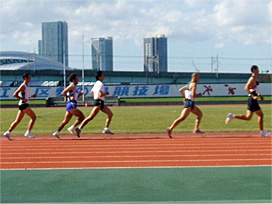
(147, 136)
(134, 152)
(134, 161)
(131, 156)
(132, 148)
(130, 145)
(151, 167)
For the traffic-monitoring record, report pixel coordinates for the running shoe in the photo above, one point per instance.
(29, 134)
(56, 134)
(72, 130)
(265, 133)
(78, 132)
(229, 118)
(107, 131)
(169, 132)
(8, 135)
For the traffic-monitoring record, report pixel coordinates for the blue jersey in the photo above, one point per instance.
(72, 103)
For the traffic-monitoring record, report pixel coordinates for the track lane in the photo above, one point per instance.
(178, 152)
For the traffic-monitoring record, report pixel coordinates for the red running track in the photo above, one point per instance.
(142, 150)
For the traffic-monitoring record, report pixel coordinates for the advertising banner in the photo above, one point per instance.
(141, 91)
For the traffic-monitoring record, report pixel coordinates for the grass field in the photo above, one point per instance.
(113, 186)
(151, 100)
(150, 119)
(179, 99)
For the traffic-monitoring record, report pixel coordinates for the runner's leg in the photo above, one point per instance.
(66, 120)
(18, 119)
(184, 114)
(199, 114)
(260, 118)
(76, 112)
(32, 115)
(107, 111)
(248, 116)
(94, 112)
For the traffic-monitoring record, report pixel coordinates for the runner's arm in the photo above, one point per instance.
(80, 94)
(101, 94)
(33, 96)
(248, 84)
(181, 90)
(16, 93)
(247, 88)
(193, 87)
(66, 90)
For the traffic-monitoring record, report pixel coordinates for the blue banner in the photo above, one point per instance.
(141, 91)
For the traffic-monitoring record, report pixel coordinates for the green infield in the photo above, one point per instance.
(179, 99)
(150, 119)
(154, 185)
(15, 102)
(152, 100)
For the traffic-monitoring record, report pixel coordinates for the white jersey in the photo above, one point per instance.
(188, 93)
(98, 86)
(25, 95)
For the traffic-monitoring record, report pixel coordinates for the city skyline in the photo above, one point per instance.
(54, 42)
(196, 30)
(102, 53)
(155, 54)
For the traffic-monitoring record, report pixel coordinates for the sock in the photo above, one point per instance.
(72, 126)
(8, 132)
(57, 132)
(27, 132)
(233, 115)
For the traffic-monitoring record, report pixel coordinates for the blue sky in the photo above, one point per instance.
(238, 31)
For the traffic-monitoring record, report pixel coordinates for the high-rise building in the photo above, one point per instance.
(155, 54)
(54, 41)
(102, 57)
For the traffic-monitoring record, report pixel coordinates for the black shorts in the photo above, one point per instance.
(189, 104)
(23, 106)
(100, 103)
(252, 105)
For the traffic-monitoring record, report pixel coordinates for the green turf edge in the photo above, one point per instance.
(180, 99)
(145, 100)
(138, 185)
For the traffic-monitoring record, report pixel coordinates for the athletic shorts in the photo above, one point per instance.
(23, 106)
(71, 105)
(252, 105)
(100, 103)
(189, 104)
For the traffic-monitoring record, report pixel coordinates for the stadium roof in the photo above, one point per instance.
(12, 60)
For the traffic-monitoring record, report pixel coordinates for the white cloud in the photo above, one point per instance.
(219, 45)
(224, 21)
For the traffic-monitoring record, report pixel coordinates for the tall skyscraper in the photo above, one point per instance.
(155, 54)
(102, 57)
(54, 41)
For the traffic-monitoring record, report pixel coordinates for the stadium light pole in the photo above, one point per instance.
(64, 69)
(83, 74)
(147, 61)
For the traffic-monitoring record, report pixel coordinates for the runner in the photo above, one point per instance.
(23, 93)
(189, 94)
(252, 88)
(98, 91)
(72, 94)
